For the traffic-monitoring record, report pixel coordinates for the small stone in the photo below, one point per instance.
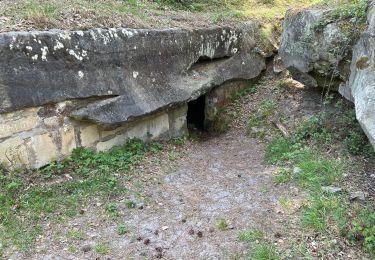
(211, 230)
(357, 195)
(278, 235)
(331, 189)
(140, 207)
(146, 241)
(183, 220)
(81, 211)
(200, 234)
(156, 232)
(86, 248)
(164, 227)
(239, 175)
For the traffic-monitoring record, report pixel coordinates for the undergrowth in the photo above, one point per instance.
(83, 14)
(24, 203)
(226, 115)
(314, 156)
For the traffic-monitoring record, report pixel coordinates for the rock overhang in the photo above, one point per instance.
(133, 72)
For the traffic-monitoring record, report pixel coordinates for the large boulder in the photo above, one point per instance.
(315, 49)
(362, 78)
(127, 73)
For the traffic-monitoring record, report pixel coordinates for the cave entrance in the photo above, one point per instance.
(196, 113)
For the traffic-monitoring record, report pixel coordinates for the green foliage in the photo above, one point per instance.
(277, 150)
(251, 235)
(282, 177)
(23, 207)
(112, 208)
(76, 234)
(260, 120)
(322, 130)
(317, 172)
(264, 252)
(122, 229)
(131, 204)
(102, 248)
(362, 229)
(305, 151)
(221, 225)
(322, 211)
(353, 9)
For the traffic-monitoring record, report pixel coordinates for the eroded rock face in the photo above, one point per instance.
(316, 53)
(131, 73)
(362, 78)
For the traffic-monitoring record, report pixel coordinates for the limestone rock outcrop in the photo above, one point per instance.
(128, 73)
(362, 77)
(316, 52)
(60, 90)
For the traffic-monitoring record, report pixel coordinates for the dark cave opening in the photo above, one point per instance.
(196, 113)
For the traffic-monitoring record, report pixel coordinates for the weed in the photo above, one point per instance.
(221, 225)
(23, 207)
(277, 150)
(102, 248)
(179, 141)
(322, 211)
(131, 204)
(122, 229)
(76, 234)
(282, 177)
(286, 203)
(72, 249)
(362, 228)
(264, 252)
(251, 235)
(112, 208)
(283, 84)
(260, 120)
(317, 172)
(305, 150)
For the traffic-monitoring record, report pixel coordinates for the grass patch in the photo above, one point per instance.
(362, 229)
(23, 206)
(251, 235)
(260, 249)
(260, 121)
(76, 234)
(306, 150)
(221, 225)
(322, 212)
(122, 229)
(283, 177)
(42, 14)
(102, 248)
(317, 172)
(264, 251)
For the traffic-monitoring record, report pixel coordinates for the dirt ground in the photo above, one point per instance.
(189, 190)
